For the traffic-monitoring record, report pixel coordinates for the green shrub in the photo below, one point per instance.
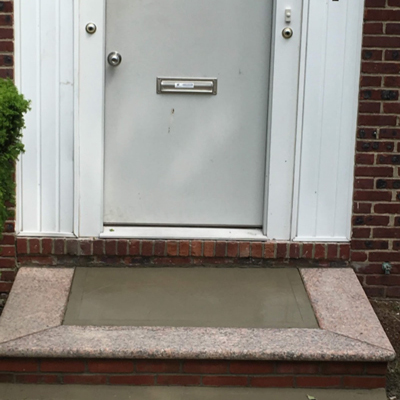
(13, 106)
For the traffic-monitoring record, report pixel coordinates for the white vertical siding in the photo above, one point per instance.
(329, 120)
(46, 76)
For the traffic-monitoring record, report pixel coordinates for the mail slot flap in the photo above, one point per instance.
(187, 85)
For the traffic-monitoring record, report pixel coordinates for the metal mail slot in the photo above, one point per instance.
(187, 85)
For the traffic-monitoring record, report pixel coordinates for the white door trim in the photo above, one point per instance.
(89, 135)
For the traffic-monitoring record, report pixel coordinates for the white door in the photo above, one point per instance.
(183, 159)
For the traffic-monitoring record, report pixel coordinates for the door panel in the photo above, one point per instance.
(186, 159)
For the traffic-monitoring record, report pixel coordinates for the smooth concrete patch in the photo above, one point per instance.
(78, 392)
(190, 297)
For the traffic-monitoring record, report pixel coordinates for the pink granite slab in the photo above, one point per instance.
(31, 327)
(37, 301)
(193, 343)
(341, 305)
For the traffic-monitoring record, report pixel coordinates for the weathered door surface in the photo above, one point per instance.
(186, 159)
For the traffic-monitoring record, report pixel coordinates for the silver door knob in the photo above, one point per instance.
(114, 59)
(287, 33)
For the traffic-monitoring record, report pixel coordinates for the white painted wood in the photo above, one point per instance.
(45, 64)
(183, 233)
(329, 120)
(282, 118)
(90, 118)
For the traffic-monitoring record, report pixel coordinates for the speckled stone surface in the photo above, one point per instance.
(341, 305)
(193, 343)
(41, 294)
(37, 301)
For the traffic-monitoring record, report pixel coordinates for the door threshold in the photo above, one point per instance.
(147, 232)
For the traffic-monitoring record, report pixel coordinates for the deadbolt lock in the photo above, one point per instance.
(287, 33)
(91, 28)
(114, 59)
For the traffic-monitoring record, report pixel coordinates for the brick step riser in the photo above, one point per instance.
(217, 373)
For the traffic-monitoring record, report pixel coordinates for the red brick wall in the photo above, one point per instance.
(7, 242)
(195, 373)
(376, 221)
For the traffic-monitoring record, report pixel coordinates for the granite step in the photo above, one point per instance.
(295, 328)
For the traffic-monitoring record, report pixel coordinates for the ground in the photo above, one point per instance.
(388, 312)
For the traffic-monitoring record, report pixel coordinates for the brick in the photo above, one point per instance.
(368, 107)
(252, 367)
(368, 80)
(179, 380)
(375, 3)
(376, 368)
(374, 171)
(122, 247)
(281, 250)
(196, 248)
(59, 246)
(184, 248)
(361, 382)
(232, 249)
(18, 365)
(244, 250)
(362, 208)
(137, 380)
(297, 368)
(220, 249)
(55, 365)
(318, 381)
(294, 250)
(375, 291)
(365, 159)
(389, 233)
(35, 379)
(159, 248)
(319, 251)
(342, 368)
(84, 379)
(205, 367)
(110, 247)
(256, 250)
(85, 247)
(34, 246)
(147, 248)
(6, 378)
(358, 256)
(272, 381)
(72, 246)
(391, 292)
(369, 244)
(307, 251)
(157, 366)
(5, 287)
(370, 29)
(134, 247)
(269, 250)
(22, 246)
(7, 262)
(208, 249)
(7, 251)
(225, 380)
(368, 195)
(384, 280)
(172, 248)
(110, 366)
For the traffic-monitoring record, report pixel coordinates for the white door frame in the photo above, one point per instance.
(285, 110)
